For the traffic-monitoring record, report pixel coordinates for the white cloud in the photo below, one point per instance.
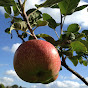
(6, 81)
(87, 78)
(12, 73)
(3, 65)
(12, 49)
(80, 17)
(73, 77)
(6, 48)
(2, 10)
(31, 3)
(61, 84)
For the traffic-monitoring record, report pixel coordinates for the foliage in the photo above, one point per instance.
(2, 86)
(72, 44)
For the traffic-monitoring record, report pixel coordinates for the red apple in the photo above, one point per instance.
(37, 61)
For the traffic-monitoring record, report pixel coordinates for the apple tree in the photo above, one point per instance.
(71, 44)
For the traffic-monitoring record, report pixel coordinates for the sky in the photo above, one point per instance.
(8, 47)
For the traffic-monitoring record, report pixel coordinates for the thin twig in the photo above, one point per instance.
(20, 36)
(61, 30)
(56, 34)
(74, 72)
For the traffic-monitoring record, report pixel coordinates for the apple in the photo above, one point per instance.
(37, 61)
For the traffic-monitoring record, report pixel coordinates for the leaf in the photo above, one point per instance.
(15, 19)
(22, 25)
(73, 28)
(81, 7)
(24, 35)
(52, 23)
(85, 43)
(78, 46)
(68, 53)
(80, 35)
(48, 3)
(7, 2)
(67, 7)
(6, 15)
(81, 60)
(15, 10)
(7, 30)
(48, 38)
(85, 32)
(55, 6)
(41, 23)
(85, 63)
(7, 9)
(34, 17)
(74, 60)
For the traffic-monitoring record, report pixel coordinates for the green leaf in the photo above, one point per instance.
(7, 30)
(34, 16)
(24, 35)
(85, 43)
(48, 3)
(15, 19)
(85, 63)
(74, 60)
(68, 53)
(22, 25)
(6, 15)
(81, 7)
(67, 7)
(85, 32)
(78, 46)
(41, 23)
(80, 35)
(52, 23)
(48, 38)
(55, 6)
(73, 28)
(7, 9)
(15, 10)
(7, 2)
(81, 60)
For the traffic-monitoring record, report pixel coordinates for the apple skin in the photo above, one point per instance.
(37, 61)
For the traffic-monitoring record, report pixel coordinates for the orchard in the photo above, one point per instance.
(40, 58)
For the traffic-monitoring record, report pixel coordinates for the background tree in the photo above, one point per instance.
(71, 43)
(15, 86)
(2, 86)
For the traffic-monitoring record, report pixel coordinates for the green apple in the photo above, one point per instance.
(37, 61)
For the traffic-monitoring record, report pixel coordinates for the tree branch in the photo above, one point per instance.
(61, 30)
(24, 15)
(75, 73)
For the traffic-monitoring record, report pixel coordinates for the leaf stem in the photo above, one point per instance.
(56, 34)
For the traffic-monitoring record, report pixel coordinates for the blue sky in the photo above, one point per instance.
(8, 46)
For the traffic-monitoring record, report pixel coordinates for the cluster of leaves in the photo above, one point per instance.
(71, 43)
